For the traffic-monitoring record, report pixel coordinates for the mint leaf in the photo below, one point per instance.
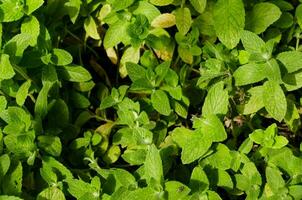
(199, 5)
(91, 28)
(11, 10)
(13, 180)
(120, 5)
(211, 125)
(111, 38)
(80, 189)
(272, 71)
(4, 164)
(147, 9)
(299, 15)
(165, 20)
(252, 42)
(255, 101)
(160, 102)
(229, 21)
(131, 54)
(161, 2)
(32, 5)
(199, 181)
(194, 144)
(217, 100)
(73, 9)
(31, 27)
(42, 101)
(176, 190)
(153, 165)
(183, 20)
(261, 17)
(248, 74)
(60, 57)
(23, 93)
(16, 46)
(6, 69)
(51, 193)
(74, 73)
(50, 144)
(274, 100)
(291, 60)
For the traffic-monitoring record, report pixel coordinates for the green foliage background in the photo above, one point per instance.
(150, 99)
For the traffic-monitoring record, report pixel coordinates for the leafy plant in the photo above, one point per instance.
(150, 99)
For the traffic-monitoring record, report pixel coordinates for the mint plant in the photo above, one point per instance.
(150, 99)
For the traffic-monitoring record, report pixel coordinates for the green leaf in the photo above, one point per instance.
(31, 26)
(153, 165)
(211, 125)
(252, 42)
(42, 101)
(112, 154)
(293, 81)
(11, 10)
(58, 168)
(32, 5)
(16, 115)
(112, 39)
(23, 93)
(78, 100)
(295, 191)
(274, 100)
(292, 60)
(16, 46)
(73, 9)
(50, 144)
(248, 74)
(194, 144)
(135, 71)
(22, 144)
(6, 69)
(274, 179)
(5, 197)
(60, 57)
(217, 100)
(246, 146)
(299, 15)
(58, 114)
(147, 9)
(161, 2)
(220, 159)
(160, 102)
(120, 5)
(224, 179)
(13, 180)
(272, 71)
(131, 54)
(51, 193)
(229, 21)
(165, 20)
(183, 20)
(4, 164)
(176, 190)
(292, 117)
(199, 5)
(80, 189)
(91, 28)
(3, 103)
(199, 181)
(261, 17)
(255, 101)
(185, 54)
(74, 73)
